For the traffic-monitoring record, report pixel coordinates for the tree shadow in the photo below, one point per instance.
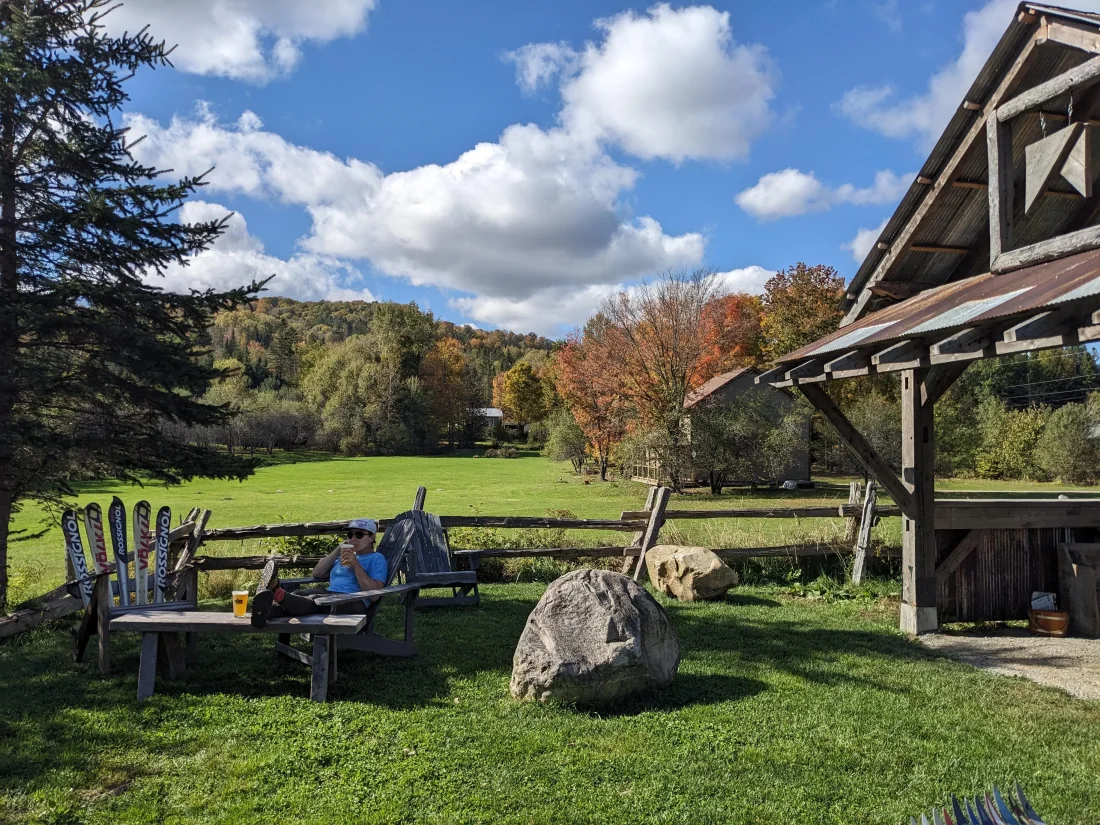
(745, 600)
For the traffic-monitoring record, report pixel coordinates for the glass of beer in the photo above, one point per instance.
(240, 603)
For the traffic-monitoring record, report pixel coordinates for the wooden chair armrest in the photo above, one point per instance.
(459, 576)
(346, 598)
(297, 582)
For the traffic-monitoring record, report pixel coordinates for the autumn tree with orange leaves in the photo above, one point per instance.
(583, 379)
(732, 336)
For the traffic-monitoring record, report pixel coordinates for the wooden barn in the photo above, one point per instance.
(729, 386)
(995, 249)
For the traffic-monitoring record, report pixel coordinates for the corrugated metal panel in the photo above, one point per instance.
(995, 582)
(1025, 291)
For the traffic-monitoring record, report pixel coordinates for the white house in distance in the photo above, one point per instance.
(727, 387)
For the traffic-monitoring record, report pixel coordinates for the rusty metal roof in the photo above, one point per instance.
(959, 217)
(1069, 282)
(712, 386)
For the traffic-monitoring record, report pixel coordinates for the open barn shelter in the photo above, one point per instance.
(995, 249)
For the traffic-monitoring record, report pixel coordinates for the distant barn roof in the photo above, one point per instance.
(713, 385)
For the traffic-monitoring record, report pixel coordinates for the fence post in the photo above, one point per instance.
(852, 523)
(867, 521)
(636, 539)
(656, 520)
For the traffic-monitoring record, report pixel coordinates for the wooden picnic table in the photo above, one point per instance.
(159, 629)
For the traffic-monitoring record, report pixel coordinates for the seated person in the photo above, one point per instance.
(350, 568)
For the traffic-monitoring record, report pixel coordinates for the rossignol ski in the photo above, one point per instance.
(164, 527)
(116, 523)
(75, 547)
(142, 544)
(97, 542)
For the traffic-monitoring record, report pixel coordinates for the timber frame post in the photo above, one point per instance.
(918, 536)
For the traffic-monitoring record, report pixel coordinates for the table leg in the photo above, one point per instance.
(147, 667)
(318, 689)
(332, 654)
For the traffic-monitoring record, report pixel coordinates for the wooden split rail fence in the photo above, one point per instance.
(644, 526)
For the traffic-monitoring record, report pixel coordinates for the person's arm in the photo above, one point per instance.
(324, 566)
(364, 580)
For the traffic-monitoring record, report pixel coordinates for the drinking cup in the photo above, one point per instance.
(240, 603)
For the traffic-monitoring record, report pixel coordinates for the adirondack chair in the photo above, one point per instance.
(145, 591)
(429, 564)
(396, 542)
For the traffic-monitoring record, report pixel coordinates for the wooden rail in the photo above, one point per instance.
(833, 511)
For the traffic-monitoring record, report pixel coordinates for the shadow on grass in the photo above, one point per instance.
(53, 709)
(745, 600)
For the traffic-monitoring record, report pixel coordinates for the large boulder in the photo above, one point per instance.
(594, 636)
(688, 573)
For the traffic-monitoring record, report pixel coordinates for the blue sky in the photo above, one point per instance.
(510, 163)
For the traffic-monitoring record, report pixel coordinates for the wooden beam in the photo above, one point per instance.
(1076, 78)
(943, 179)
(971, 106)
(863, 542)
(903, 355)
(999, 154)
(898, 291)
(953, 250)
(1066, 34)
(964, 344)
(1052, 193)
(774, 373)
(918, 536)
(1051, 249)
(811, 370)
(963, 549)
(970, 184)
(938, 380)
(860, 446)
(1037, 326)
(1016, 514)
(851, 364)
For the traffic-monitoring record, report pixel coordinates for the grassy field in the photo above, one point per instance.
(785, 710)
(305, 487)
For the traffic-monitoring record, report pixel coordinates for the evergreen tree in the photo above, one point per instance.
(92, 359)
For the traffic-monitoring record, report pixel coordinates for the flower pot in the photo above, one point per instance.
(1048, 622)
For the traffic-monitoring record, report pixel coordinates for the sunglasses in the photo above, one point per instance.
(358, 534)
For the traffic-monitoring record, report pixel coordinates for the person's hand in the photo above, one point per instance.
(347, 555)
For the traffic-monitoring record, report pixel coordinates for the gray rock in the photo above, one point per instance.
(594, 636)
(688, 573)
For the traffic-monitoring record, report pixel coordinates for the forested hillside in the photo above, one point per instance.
(354, 376)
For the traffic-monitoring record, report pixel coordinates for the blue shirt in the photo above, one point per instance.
(342, 579)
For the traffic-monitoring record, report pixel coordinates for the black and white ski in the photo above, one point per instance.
(97, 542)
(75, 547)
(116, 524)
(164, 527)
(142, 545)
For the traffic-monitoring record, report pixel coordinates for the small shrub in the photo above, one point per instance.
(24, 582)
(503, 452)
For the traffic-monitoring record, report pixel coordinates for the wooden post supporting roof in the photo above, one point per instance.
(918, 537)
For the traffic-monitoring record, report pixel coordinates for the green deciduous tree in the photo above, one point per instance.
(747, 439)
(92, 358)
(800, 305)
(1069, 448)
(567, 441)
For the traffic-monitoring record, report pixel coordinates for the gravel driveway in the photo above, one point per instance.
(1067, 663)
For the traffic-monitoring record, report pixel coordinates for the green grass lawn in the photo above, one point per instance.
(784, 711)
(315, 487)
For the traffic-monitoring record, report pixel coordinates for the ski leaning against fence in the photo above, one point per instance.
(75, 548)
(164, 527)
(116, 521)
(142, 542)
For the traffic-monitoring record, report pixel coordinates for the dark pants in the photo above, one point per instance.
(301, 603)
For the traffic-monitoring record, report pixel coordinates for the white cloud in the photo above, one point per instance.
(889, 13)
(253, 40)
(924, 116)
(539, 63)
(238, 257)
(508, 222)
(792, 192)
(864, 241)
(670, 83)
(749, 279)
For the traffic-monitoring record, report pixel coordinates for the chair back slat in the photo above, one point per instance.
(430, 542)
